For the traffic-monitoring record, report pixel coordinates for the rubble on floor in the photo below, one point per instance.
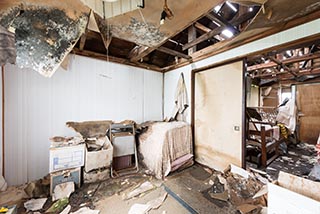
(299, 160)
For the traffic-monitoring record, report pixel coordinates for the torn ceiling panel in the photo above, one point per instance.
(143, 26)
(46, 31)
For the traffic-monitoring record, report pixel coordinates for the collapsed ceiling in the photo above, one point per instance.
(295, 64)
(47, 31)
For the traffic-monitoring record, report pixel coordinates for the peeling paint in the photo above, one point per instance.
(141, 33)
(43, 36)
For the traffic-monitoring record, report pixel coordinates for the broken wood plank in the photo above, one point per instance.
(173, 52)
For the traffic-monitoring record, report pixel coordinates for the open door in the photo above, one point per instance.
(219, 103)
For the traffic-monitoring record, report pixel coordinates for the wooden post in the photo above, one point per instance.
(192, 35)
(3, 153)
(263, 147)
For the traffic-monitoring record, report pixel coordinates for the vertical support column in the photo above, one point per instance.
(3, 153)
(192, 35)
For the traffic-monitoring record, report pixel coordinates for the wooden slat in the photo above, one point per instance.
(217, 18)
(282, 65)
(201, 27)
(202, 38)
(83, 39)
(173, 52)
(286, 61)
(192, 35)
(114, 59)
(218, 30)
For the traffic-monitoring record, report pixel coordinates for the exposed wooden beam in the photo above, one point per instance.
(202, 38)
(282, 65)
(83, 39)
(201, 27)
(173, 52)
(217, 18)
(115, 59)
(286, 61)
(192, 35)
(217, 30)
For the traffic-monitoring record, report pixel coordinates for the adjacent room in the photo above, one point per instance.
(171, 106)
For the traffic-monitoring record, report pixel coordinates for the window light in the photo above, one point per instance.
(227, 33)
(231, 6)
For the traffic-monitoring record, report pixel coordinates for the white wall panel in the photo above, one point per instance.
(37, 107)
(171, 78)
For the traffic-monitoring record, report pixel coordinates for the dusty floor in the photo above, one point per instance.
(299, 161)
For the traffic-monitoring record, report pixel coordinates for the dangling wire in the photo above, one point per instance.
(141, 14)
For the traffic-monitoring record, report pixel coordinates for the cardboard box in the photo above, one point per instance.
(293, 195)
(65, 176)
(96, 176)
(62, 158)
(99, 159)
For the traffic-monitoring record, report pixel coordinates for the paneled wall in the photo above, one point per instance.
(37, 107)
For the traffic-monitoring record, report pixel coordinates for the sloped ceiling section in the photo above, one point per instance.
(275, 16)
(45, 31)
(143, 26)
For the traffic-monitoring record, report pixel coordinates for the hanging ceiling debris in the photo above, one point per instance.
(45, 32)
(130, 32)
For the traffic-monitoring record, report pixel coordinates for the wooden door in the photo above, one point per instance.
(218, 116)
(308, 100)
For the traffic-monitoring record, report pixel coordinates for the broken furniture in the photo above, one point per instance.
(263, 137)
(98, 159)
(66, 159)
(125, 158)
(166, 147)
(64, 176)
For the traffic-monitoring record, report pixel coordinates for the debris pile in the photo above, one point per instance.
(246, 190)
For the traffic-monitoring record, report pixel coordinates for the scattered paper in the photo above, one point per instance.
(63, 190)
(151, 205)
(35, 204)
(239, 171)
(156, 203)
(139, 209)
(146, 186)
